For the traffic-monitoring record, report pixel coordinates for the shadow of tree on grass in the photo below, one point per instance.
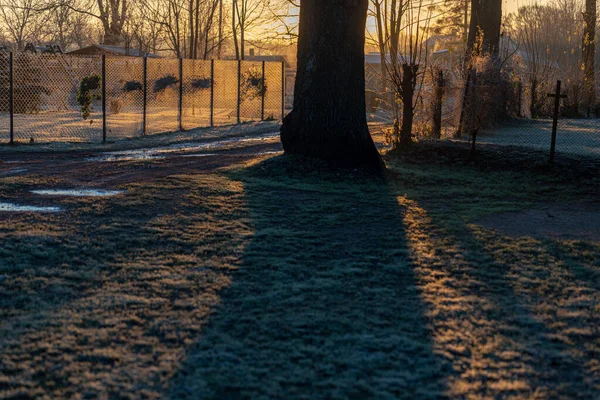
(325, 303)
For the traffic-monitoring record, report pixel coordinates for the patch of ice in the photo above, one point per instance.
(200, 155)
(10, 207)
(161, 152)
(78, 192)
(13, 171)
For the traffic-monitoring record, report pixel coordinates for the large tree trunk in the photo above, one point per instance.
(589, 53)
(113, 37)
(486, 20)
(328, 120)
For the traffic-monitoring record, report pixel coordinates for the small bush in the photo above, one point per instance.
(84, 95)
(115, 106)
(252, 84)
(132, 86)
(163, 83)
(202, 83)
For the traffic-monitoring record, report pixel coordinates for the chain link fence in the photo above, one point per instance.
(4, 97)
(62, 98)
(124, 97)
(504, 111)
(503, 114)
(198, 93)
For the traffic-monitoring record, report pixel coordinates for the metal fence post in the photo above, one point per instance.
(262, 97)
(11, 100)
(103, 98)
(239, 90)
(145, 95)
(180, 105)
(282, 90)
(212, 92)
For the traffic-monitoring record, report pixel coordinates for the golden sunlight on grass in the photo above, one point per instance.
(502, 311)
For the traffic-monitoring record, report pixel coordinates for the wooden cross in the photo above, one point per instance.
(557, 96)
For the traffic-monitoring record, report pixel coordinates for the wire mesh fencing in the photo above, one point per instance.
(62, 98)
(511, 115)
(226, 92)
(252, 90)
(4, 97)
(198, 92)
(124, 97)
(503, 112)
(275, 88)
(48, 104)
(162, 112)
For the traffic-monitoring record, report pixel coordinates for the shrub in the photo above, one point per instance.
(84, 95)
(201, 83)
(163, 83)
(252, 84)
(115, 106)
(132, 86)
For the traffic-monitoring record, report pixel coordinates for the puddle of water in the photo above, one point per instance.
(153, 153)
(200, 155)
(78, 192)
(264, 153)
(10, 207)
(109, 157)
(13, 172)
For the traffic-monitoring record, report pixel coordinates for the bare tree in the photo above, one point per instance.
(22, 20)
(246, 15)
(539, 32)
(401, 27)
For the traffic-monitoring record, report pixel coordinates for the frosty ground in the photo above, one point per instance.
(235, 272)
(574, 136)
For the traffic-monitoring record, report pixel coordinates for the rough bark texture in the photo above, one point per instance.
(486, 19)
(589, 52)
(328, 120)
(409, 82)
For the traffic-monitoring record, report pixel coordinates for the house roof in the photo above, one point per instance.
(111, 50)
(259, 58)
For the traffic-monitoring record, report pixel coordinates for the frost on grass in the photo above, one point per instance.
(255, 283)
(11, 207)
(77, 192)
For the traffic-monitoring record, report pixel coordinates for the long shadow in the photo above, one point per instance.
(325, 303)
(528, 355)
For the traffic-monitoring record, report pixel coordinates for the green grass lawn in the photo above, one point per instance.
(274, 279)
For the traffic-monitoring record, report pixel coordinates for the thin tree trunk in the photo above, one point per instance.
(220, 44)
(328, 120)
(409, 77)
(589, 53)
(234, 29)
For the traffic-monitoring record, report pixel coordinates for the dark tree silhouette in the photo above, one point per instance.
(328, 120)
(589, 52)
(486, 20)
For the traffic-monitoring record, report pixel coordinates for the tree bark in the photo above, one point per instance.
(409, 81)
(234, 29)
(589, 53)
(328, 120)
(486, 19)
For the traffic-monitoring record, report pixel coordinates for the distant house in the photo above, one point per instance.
(260, 58)
(100, 49)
